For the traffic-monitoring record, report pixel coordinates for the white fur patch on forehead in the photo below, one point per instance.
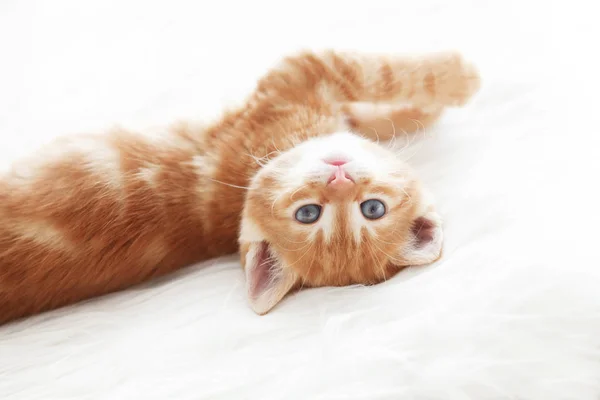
(306, 160)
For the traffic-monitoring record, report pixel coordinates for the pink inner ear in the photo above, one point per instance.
(262, 272)
(424, 230)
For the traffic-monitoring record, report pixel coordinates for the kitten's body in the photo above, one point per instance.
(95, 214)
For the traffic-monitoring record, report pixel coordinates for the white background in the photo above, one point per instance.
(511, 311)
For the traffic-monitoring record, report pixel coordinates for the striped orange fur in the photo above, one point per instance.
(90, 215)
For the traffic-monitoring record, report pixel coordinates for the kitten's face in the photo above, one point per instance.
(335, 210)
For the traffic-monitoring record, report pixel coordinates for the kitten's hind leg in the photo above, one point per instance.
(383, 121)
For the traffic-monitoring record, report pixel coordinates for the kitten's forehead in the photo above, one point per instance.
(342, 145)
(342, 142)
(306, 161)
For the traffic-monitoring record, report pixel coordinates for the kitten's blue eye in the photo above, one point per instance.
(308, 214)
(372, 209)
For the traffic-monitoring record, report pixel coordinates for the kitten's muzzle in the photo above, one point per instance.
(340, 180)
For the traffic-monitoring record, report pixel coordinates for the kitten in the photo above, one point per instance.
(294, 181)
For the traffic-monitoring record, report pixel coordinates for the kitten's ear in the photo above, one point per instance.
(425, 244)
(267, 280)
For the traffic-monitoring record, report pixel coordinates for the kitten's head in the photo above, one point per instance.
(333, 211)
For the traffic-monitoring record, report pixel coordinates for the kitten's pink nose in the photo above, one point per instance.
(336, 162)
(340, 179)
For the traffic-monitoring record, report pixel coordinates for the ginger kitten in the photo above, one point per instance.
(294, 180)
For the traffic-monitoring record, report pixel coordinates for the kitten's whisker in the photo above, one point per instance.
(408, 196)
(262, 161)
(302, 256)
(293, 241)
(299, 249)
(276, 152)
(376, 134)
(383, 241)
(273, 204)
(268, 155)
(297, 190)
(229, 184)
(274, 145)
(420, 125)
(393, 131)
(258, 161)
(393, 126)
(392, 141)
(390, 257)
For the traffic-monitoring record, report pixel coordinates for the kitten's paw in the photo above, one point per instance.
(451, 81)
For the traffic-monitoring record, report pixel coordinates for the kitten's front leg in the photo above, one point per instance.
(415, 92)
(445, 79)
(380, 95)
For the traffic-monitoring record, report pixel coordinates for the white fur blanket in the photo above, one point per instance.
(512, 311)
